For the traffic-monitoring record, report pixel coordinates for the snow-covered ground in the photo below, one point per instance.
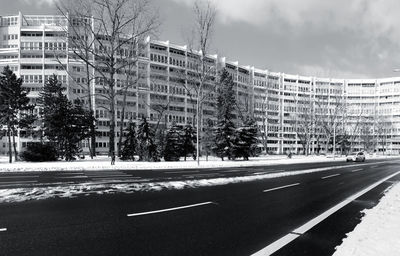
(103, 162)
(68, 190)
(379, 230)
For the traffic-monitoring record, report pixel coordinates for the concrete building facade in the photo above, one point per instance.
(367, 111)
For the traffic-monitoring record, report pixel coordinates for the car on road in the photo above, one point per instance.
(356, 157)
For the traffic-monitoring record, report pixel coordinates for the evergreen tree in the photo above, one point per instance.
(160, 139)
(245, 139)
(189, 140)
(174, 144)
(15, 110)
(225, 128)
(208, 141)
(224, 138)
(65, 124)
(129, 145)
(147, 149)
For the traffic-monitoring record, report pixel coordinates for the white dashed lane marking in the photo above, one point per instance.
(3, 229)
(278, 244)
(356, 170)
(169, 209)
(330, 176)
(286, 186)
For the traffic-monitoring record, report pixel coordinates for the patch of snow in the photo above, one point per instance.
(103, 163)
(379, 230)
(88, 188)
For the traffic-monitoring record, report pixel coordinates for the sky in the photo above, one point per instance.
(338, 39)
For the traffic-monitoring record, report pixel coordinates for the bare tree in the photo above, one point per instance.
(330, 113)
(202, 70)
(383, 127)
(353, 127)
(114, 26)
(263, 128)
(303, 121)
(79, 38)
(160, 105)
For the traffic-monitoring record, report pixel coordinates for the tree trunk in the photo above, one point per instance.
(121, 128)
(9, 145)
(92, 146)
(14, 146)
(112, 114)
(92, 127)
(112, 125)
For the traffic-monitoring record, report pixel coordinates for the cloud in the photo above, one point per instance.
(378, 18)
(40, 2)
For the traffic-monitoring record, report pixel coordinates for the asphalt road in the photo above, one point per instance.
(55, 178)
(235, 219)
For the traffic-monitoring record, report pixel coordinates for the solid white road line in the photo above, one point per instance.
(169, 209)
(13, 177)
(110, 176)
(272, 189)
(102, 181)
(356, 170)
(71, 173)
(17, 182)
(278, 244)
(3, 229)
(233, 171)
(330, 176)
(73, 177)
(182, 172)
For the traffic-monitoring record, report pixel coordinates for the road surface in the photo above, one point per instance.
(246, 218)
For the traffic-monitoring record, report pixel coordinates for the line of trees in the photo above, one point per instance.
(227, 137)
(64, 123)
(105, 38)
(15, 111)
(326, 120)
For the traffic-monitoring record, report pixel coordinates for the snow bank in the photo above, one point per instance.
(379, 230)
(110, 187)
(102, 163)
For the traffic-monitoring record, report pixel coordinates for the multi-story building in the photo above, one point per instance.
(366, 110)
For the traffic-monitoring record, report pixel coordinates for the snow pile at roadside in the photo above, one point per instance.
(379, 230)
(103, 163)
(90, 188)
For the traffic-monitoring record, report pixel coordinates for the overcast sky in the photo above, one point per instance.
(337, 38)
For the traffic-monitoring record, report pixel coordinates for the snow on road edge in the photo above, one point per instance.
(103, 163)
(379, 230)
(68, 190)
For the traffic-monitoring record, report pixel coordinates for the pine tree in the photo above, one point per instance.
(15, 110)
(129, 145)
(147, 149)
(225, 128)
(174, 144)
(245, 139)
(65, 124)
(208, 141)
(189, 140)
(224, 138)
(161, 139)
